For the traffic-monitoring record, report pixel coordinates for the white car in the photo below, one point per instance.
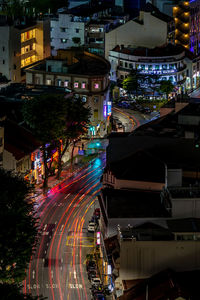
(92, 227)
(95, 281)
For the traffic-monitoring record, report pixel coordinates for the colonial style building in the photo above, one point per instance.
(22, 45)
(83, 73)
(167, 62)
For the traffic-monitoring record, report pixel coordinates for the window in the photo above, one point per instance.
(3, 61)
(63, 41)
(96, 99)
(62, 29)
(131, 66)
(3, 48)
(100, 29)
(126, 64)
(84, 99)
(1, 142)
(150, 67)
(143, 67)
(59, 82)
(157, 67)
(49, 68)
(96, 86)
(121, 63)
(83, 85)
(48, 81)
(66, 83)
(77, 30)
(164, 67)
(76, 84)
(14, 67)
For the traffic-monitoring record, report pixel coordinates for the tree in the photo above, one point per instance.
(133, 81)
(166, 87)
(46, 116)
(18, 228)
(13, 292)
(77, 120)
(45, 5)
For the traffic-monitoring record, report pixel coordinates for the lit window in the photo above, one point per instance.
(22, 37)
(48, 81)
(66, 83)
(63, 41)
(83, 85)
(84, 99)
(22, 50)
(96, 85)
(76, 84)
(33, 46)
(22, 62)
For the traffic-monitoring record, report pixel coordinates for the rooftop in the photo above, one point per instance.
(18, 140)
(140, 203)
(77, 62)
(168, 50)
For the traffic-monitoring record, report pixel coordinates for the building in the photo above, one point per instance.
(97, 29)
(19, 144)
(148, 248)
(150, 23)
(65, 30)
(2, 119)
(186, 15)
(22, 45)
(166, 62)
(83, 73)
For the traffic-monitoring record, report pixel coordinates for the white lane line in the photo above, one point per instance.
(33, 274)
(52, 274)
(74, 274)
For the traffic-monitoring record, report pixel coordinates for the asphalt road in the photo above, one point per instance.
(132, 119)
(57, 269)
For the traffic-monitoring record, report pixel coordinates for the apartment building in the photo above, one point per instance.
(67, 31)
(22, 45)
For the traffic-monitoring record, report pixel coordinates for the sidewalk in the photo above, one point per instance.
(66, 172)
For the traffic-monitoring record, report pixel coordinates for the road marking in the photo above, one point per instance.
(45, 226)
(45, 233)
(61, 229)
(52, 274)
(75, 286)
(49, 286)
(33, 286)
(74, 274)
(33, 274)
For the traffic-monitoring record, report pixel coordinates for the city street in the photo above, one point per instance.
(57, 269)
(132, 119)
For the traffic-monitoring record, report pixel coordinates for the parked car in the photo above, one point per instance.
(99, 296)
(92, 227)
(92, 274)
(97, 212)
(147, 110)
(96, 281)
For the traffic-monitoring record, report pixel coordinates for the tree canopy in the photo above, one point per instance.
(18, 228)
(166, 87)
(13, 292)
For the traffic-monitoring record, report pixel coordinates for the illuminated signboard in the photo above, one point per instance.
(98, 238)
(105, 111)
(160, 72)
(109, 108)
(109, 271)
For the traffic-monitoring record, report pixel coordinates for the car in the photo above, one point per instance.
(92, 227)
(99, 296)
(97, 212)
(147, 110)
(94, 219)
(90, 264)
(92, 274)
(95, 282)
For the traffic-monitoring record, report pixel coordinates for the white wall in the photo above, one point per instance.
(142, 259)
(9, 161)
(64, 21)
(152, 33)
